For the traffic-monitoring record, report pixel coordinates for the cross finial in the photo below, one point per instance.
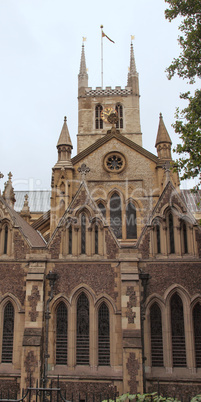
(83, 170)
(1, 175)
(65, 119)
(10, 176)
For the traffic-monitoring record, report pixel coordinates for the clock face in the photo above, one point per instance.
(106, 113)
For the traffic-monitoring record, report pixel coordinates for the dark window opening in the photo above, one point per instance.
(171, 234)
(131, 225)
(156, 336)
(115, 215)
(96, 239)
(158, 239)
(119, 111)
(185, 241)
(6, 240)
(101, 206)
(83, 234)
(197, 333)
(61, 334)
(8, 330)
(103, 336)
(70, 240)
(98, 119)
(178, 333)
(82, 346)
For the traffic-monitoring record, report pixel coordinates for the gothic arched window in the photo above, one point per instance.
(5, 239)
(119, 110)
(83, 234)
(115, 215)
(61, 334)
(82, 346)
(197, 333)
(158, 239)
(156, 336)
(96, 239)
(184, 238)
(98, 119)
(131, 225)
(171, 234)
(178, 333)
(70, 240)
(8, 331)
(101, 206)
(103, 336)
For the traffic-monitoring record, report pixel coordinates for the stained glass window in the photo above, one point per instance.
(115, 215)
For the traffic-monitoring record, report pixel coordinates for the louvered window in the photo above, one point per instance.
(156, 336)
(197, 333)
(62, 334)
(98, 119)
(119, 111)
(131, 226)
(178, 333)
(8, 329)
(82, 346)
(115, 215)
(103, 336)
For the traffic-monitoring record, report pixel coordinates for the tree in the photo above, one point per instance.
(188, 66)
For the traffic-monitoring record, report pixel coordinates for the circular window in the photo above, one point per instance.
(114, 162)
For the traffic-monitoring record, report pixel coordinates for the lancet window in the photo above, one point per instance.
(96, 239)
(101, 206)
(131, 225)
(8, 332)
(82, 346)
(156, 336)
(5, 239)
(197, 333)
(119, 111)
(178, 332)
(70, 238)
(116, 215)
(98, 119)
(83, 234)
(171, 234)
(103, 335)
(61, 334)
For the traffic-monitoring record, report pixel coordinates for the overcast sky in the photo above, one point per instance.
(40, 49)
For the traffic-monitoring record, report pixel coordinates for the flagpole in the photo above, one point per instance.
(101, 55)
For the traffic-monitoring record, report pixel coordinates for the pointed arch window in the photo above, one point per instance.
(131, 225)
(8, 331)
(82, 346)
(116, 215)
(171, 234)
(70, 237)
(119, 111)
(103, 335)
(158, 239)
(96, 239)
(5, 240)
(98, 119)
(156, 336)
(61, 334)
(178, 332)
(83, 234)
(101, 206)
(197, 333)
(184, 238)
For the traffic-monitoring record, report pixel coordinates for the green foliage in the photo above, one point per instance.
(150, 397)
(188, 66)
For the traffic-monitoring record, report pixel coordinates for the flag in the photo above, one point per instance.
(103, 34)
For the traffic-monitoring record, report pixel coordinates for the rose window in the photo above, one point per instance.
(114, 162)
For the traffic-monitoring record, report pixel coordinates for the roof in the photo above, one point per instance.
(192, 199)
(38, 200)
(32, 236)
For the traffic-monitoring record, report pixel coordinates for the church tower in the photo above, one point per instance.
(92, 103)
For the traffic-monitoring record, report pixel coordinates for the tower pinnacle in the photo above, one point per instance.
(82, 76)
(132, 69)
(163, 141)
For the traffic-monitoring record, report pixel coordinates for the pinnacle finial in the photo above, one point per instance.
(65, 119)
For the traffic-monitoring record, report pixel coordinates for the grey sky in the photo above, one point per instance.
(40, 49)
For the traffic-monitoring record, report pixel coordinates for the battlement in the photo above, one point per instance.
(108, 91)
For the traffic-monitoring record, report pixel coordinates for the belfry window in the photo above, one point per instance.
(156, 336)
(82, 346)
(197, 333)
(103, 336)
(131, 225)
(178, 333)
(115, 215)
(8, 330)
(98, 119)
(171, 234)
(61, 334)
(119, 111)
(6, 239)
(83, 234)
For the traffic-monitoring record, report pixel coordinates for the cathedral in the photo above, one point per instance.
(101, 276)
